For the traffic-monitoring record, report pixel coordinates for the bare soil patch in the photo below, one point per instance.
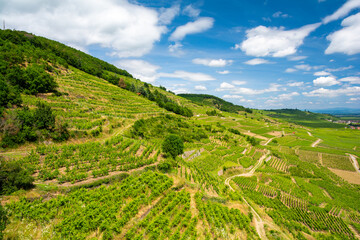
(351, 177)
(275, 133)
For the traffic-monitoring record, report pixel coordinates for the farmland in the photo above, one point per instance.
(243, 174)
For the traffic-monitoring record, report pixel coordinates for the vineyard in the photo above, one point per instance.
(79, 214)
(77, 162)
(98, 164)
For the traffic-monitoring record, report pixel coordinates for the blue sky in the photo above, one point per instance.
(258, 53)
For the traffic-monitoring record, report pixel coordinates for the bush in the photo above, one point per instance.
(173, 146)
(13, 177)
(3, 221)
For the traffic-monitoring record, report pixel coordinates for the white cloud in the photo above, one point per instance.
(290, 70)
(190, 76)
(304, 67)
(346, 40)
(257, 61)
(322, 73)
(125, 28)
(280, 14)
(238, 82)
(248, 91)
(276, 42)
(180, 90)
(200, 88)
(140, 69)
(351, 80)
(212, 62)
(342, 11)
(168, 14)
(325, 81)
(295, 84)
(176, 49)
(238, 97)
(226, 86)
(323, 92)
(190, 11)
(281, 98)
(355, 99)
(198, 26)
(297, 58)
(338, 69)
(223, 72)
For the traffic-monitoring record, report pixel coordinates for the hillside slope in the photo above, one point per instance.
(241, 176)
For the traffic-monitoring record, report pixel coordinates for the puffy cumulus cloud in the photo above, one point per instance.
(198, 26)
(342, 11)
(351, 80)
(168, 14)
(225, 86)
(295, 84)
(324, 92)
(140, 69)
(297, 58)
(257, 61)
(322, 73)
(223, 72)
(276, 42)
(248, 91)
(125, 28)
(346, 40)
(200, 88)
(191, 11)
(190, 76)
(325, 81)
(212, 62)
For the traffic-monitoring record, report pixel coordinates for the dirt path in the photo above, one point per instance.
(259, 223)
(316, 143)
(91, 179)
(354, 162)
(310, 134)
(268, 141)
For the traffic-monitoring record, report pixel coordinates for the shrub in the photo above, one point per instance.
(173, 145)
(14, 177)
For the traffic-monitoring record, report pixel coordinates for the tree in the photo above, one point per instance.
(173, 145)
(13, 177)
(44, 117)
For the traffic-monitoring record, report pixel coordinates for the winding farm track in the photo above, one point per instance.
(354, 162)
(316, 143)
(268, 141)
(259, 223)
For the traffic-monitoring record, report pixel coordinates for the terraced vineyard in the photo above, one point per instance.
(97, 167)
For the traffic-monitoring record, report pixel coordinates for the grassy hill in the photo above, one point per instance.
(283, 174)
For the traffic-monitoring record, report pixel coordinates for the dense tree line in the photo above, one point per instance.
(210, 100)
(161, 99)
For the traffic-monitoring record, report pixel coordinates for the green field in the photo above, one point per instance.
(98, 168)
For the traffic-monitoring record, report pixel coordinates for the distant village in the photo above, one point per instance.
(353, 124)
